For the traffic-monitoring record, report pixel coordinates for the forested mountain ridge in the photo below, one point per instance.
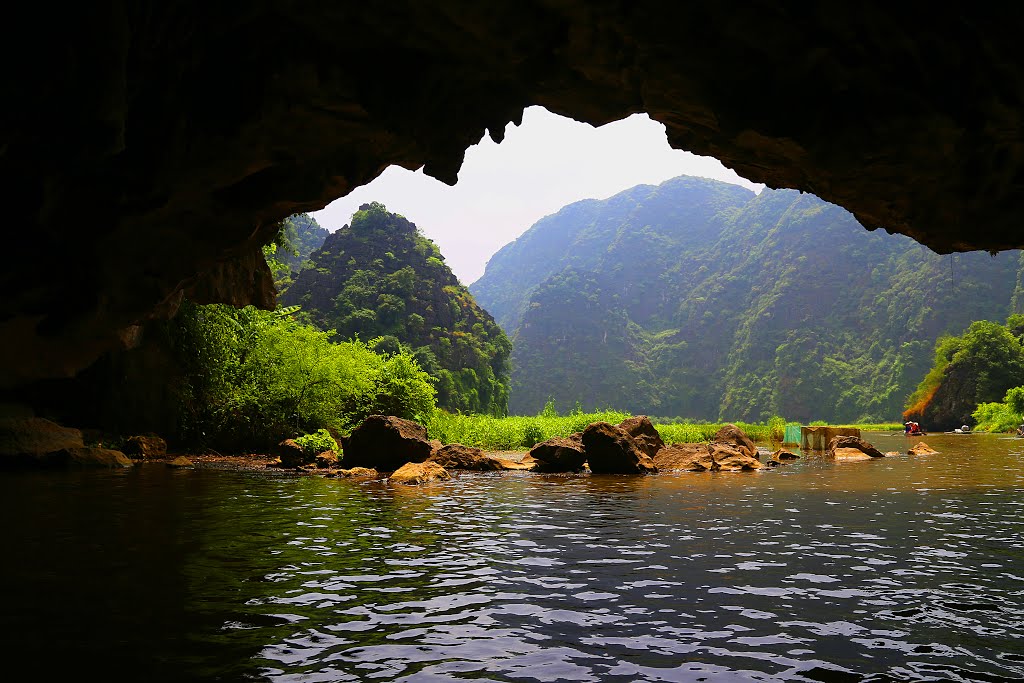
(379, 277)
(580, 234)
(304, 235)
(727, 305)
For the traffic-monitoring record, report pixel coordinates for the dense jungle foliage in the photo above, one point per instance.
(701, 299)
(380, 277)
(248, 378)
(975, 379)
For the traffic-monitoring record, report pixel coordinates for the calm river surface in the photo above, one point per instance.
(904, 568)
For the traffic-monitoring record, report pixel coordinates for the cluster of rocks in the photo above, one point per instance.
(853, 448)
(391, 444)
(30, 441)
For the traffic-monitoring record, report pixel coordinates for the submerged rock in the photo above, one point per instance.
(358, 472)
(559, 454)
(645, 436)
(730, 458)
(737, 438)
(610, 450)
(783, 454)
(419, 473)
(852, 448)
(386, 442)
(685, 457)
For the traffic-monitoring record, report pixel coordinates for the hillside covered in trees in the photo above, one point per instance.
(700, 299)
(379, 277)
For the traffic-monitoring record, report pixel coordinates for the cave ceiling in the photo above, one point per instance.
(148, 149)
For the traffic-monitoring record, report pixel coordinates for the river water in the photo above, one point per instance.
(897, 569)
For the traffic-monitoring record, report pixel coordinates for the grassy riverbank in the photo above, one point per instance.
(511, 433)
(518, 432)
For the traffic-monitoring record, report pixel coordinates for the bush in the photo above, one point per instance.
(318, 442)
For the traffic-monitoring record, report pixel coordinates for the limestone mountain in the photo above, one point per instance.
(380, 277)
(700, 299)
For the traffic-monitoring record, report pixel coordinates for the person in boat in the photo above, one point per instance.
(1020, 430)
(906, 426)
(915, 429)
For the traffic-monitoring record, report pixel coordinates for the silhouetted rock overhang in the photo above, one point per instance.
(147, 149)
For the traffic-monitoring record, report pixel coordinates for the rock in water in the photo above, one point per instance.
(733, 435)
(455, 456)
(645, 436)
(292, 455)
(848, 447)
(686, 457)
(89, 457)
(921, 448)
(610, 450)
(419, 473)
(385, 443)
(25, 438)
(559, 454)
(729, 458)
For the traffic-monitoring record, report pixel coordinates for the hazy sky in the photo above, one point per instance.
(542, 165)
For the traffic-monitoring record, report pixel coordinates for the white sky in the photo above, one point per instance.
(542, 165)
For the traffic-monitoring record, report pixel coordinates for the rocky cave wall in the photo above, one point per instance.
(148, 149)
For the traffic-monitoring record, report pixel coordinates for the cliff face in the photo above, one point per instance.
(146, 145)
(379, 277)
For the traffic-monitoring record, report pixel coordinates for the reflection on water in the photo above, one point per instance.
(907, 568)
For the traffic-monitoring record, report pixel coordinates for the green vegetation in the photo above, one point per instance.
(522, 432)
(248, 378)
(380, 278)
(299, 236)
(699, 298)
(317, 442)
(973, 378)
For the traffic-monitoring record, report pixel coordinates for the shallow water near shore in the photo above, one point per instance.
(902, 568)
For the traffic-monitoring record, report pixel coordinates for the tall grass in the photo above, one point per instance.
(511, 433)
(520, 432)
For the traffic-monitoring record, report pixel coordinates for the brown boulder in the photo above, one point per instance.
(729, 458)
(89, 457)
(419, 473)
(559, 454)
(687, 457)
(386, 442)
(610, 450)
(842, 447)
(455, 456)
(645, 436)
(921, 448)
(181, 462)
(736, 437)
(358, 472)
(145, 447)
(35, 436)
(527, 464)
(783, 454)
(326, 460)
(291, 454)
